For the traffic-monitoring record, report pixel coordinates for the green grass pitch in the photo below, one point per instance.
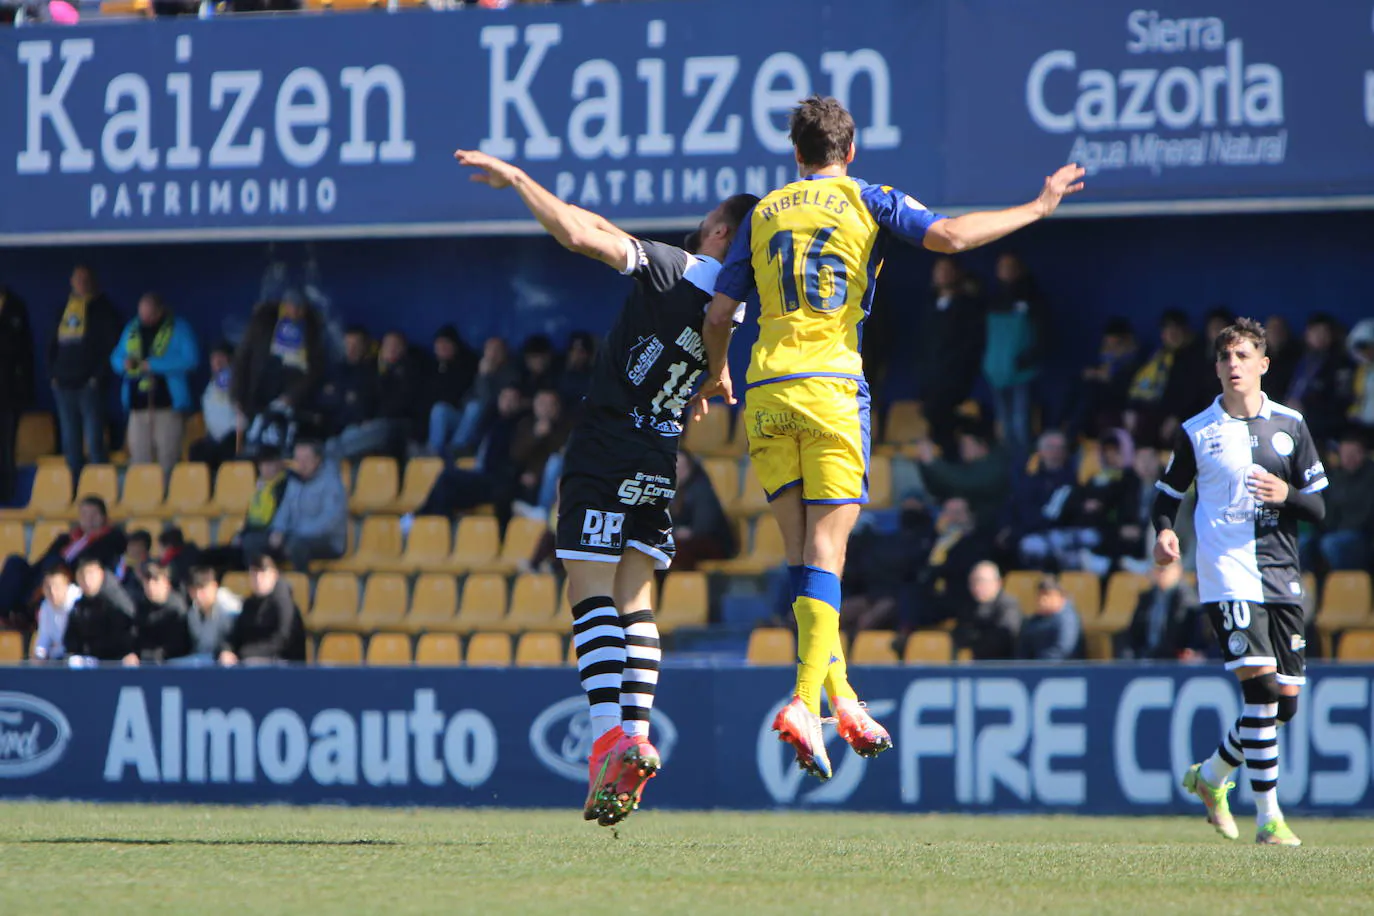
(99, 860)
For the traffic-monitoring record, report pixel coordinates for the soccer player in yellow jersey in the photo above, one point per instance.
(812, 249)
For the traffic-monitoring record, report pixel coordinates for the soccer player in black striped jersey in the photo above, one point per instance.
(1258, 474)
(620, 468)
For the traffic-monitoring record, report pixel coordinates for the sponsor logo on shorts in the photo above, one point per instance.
(34, 735)
(1296, 642)
(646, 489)
(603, 529)
(1237, 644)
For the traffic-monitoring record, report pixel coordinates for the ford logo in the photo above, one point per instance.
(33, 735)
(561, 737)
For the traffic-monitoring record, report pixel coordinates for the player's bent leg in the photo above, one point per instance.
(599, 643)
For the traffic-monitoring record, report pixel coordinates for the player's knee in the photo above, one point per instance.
(1288, 708)
(1261, 690)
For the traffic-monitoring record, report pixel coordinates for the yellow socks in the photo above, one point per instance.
(819, 654)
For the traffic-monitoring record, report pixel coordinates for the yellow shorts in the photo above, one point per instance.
(812, 431)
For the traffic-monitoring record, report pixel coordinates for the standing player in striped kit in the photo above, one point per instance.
(1258, 474)
(620, 468)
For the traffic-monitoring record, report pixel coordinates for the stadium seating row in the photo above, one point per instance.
(778, 646)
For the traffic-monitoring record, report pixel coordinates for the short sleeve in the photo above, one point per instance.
(1182, 468)
(1308, 473)
(736, 277)
(903, 215)
(654, 263)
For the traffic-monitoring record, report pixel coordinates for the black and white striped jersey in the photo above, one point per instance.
(1246, 551)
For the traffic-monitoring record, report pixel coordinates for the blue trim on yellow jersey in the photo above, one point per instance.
(781, 490)
(858, 501)
(865, 402)
(788, 378)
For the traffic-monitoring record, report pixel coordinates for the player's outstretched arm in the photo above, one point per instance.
(575, 229)
(972, 230)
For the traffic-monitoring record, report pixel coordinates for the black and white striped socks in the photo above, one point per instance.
(1259, 737)
(599, 641)
(642, 658)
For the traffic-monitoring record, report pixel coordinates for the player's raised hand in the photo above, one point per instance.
(1067, 180)
(719, 387)
(1166, 548)
(493, 172)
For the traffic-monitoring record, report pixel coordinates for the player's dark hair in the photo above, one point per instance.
(735, 209)
(822, 131)
(1244, 329)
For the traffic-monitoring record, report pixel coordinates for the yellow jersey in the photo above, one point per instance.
(812, 249)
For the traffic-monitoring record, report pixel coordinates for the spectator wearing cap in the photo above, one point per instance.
(450, 377)
(311, 523)
(1321, 380)
(220, 442)
(101, 625)
(1052, 632)
(92, 536)
(211, 617)
(269, 628)
(79, 360)
(160, 630)
(17, 381)
(60, 595)
(281, 360)
(155, 357)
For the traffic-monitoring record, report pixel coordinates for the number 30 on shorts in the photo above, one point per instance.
(1235, 615)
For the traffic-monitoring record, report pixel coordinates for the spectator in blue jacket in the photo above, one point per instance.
(154, 357)
(312, 521)
(1051, 633)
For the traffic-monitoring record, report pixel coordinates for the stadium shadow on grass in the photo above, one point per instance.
(148, 841)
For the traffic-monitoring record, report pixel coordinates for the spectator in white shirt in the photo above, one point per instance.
(60, 594)
(221, 416)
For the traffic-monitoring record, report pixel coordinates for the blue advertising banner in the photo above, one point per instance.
(1217, 102)
(345, 125)
(1083, 739)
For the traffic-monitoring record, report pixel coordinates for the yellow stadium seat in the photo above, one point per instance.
(228, 527)
(336, 601)
(377, 486)
(44, 533)
(873, 647)
(533, 605)
(12, 539)
(143, 491)
(426, 546)
(386, 599)
(1345, 605)
(153, 526)
(237, 582)
(234, 485)
(879, 481)
(379, 543)
(476, 545)
(346, 475)
(1356, 646)
(388, 649)
(433, 605)
(765, 553)
(1089, 461)
(929, 647)
(299, 583)
(100, 480)
(36, 439)
(193, 431)
(51, 496)
(724, 476)
(752, 499)
(1085, 590)
(489, 650)
(340, 649)
(11, 647)
(539, 649)
(416, 482)
(710, 435)
(522, 538)
(684, 603)
(772, 646)
(484, 602)
(1023, 585)
(1123, 591)
(438, 649)
(906, 422)
(195, 528)
(188, 491)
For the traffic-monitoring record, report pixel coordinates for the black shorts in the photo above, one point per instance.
(1254, 634)
(614, 494)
